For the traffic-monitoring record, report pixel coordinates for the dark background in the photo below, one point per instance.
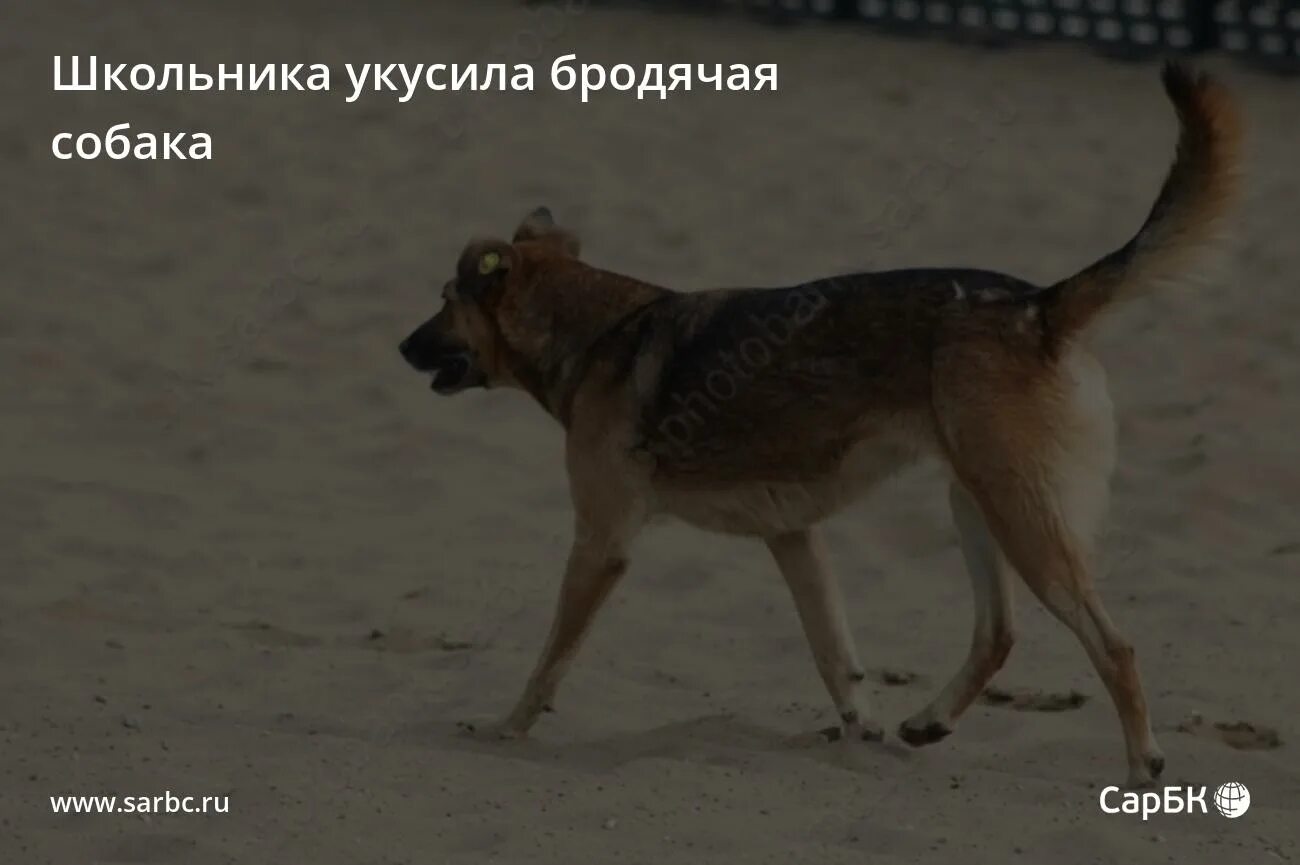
(244, 551)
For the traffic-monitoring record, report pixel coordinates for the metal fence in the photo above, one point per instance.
(1264, 33)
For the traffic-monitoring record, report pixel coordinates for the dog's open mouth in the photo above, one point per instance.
(452, 374)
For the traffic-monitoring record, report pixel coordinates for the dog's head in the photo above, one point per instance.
(462, 344)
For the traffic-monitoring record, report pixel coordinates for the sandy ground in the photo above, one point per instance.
(245, 552)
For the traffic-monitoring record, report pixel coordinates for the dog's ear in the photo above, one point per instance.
(483, 265)
(539, 225)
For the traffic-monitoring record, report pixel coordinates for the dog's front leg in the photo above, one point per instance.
(803, 561)
(596, 561)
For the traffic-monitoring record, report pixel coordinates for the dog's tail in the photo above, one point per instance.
(1196, 194)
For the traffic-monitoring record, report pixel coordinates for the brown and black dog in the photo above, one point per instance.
(762, 411)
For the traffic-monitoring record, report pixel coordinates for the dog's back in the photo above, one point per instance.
(779, 384)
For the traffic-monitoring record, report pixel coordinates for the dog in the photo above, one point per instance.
(760, 412)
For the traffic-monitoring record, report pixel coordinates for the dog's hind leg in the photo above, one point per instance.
(802, 557)
(1037, 461)
(990, 576)
(1047, 554)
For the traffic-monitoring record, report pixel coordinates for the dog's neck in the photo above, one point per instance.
(548, 335)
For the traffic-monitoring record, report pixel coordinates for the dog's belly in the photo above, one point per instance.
(767, 508)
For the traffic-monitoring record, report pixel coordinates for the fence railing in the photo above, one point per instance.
(1265, 33)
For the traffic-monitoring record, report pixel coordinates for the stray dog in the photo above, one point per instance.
(762, 411)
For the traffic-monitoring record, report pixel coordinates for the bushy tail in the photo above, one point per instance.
(1196, 194)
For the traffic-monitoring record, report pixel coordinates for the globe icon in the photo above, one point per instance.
(1232, 799)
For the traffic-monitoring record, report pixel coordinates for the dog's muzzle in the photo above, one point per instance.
(453, 371)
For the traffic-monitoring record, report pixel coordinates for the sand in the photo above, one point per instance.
(245, 552)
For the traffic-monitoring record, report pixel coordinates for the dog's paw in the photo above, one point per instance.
(919, 731)
(1145, 773)
(870, 731)
(856, 730)
(490, 730)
